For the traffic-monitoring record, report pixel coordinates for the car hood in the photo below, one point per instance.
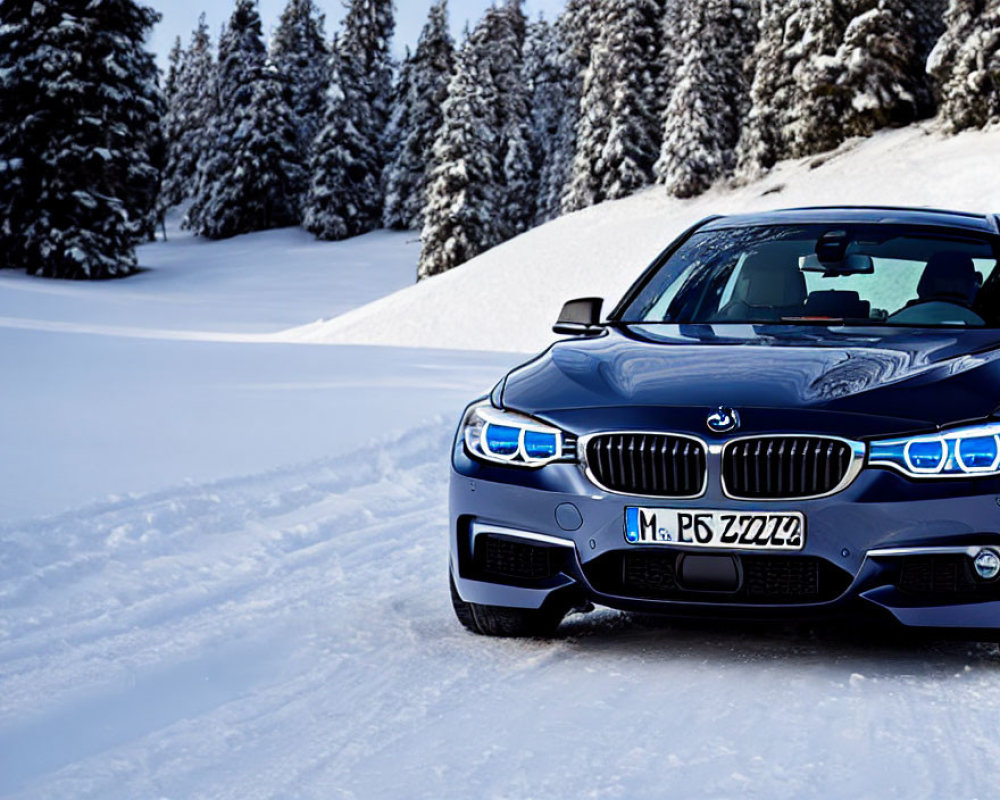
(900, 378)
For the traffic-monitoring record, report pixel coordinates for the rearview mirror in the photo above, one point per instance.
(855, 264)
(580, 316)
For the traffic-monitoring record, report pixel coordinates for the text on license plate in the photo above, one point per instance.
(717, 529)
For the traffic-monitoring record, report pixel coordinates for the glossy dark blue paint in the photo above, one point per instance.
(911, 377)
(857, 383)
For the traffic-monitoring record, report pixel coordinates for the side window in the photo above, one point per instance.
(658, 312)
(661, 308)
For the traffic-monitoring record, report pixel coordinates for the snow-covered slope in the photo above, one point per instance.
(508, 298)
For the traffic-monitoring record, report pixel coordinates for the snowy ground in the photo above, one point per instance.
(178, 378)
(223, 559)
(289, 635)
(97, 417)
(256, 284)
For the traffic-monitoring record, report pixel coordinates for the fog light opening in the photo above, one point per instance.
(987, 564)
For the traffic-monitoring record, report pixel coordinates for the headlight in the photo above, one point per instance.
(506, 437)
(955, 453)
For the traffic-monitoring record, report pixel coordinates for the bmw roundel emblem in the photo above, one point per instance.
(723, 420)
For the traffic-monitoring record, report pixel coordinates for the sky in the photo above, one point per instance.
(181, 16)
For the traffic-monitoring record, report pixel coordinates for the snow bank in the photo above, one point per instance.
(245, 287)
(508, 298)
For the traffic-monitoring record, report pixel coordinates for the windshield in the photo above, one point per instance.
(824, 274)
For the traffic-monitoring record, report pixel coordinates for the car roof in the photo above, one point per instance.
(935, 217)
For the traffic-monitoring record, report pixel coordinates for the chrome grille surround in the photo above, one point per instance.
(700, 450)
(850, 452)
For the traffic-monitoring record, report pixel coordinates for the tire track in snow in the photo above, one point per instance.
(90, 602)
(136, 332)
(289, 635)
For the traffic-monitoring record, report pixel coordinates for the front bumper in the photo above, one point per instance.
(885, 545)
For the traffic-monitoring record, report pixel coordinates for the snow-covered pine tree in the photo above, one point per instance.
(573, 35)
(794, 56)
(344, 195)
(481, 153)
(347, 157)
(708, 96)
(78, 97)
(368, 31)
(760, 144)
(675, 29)
(395, 134)
(880, 76)
(462, 203)
(966, 64)
(929, 16)
(420, 95)
(826, 70)
(699, 124)
(191, 108)
(519, 184)
(173, 66)
(141, 176)
(674, 44)
(482, 183)
(250, 179)
(300, 53)
(550, 75)
(618, 136)
(143, 180)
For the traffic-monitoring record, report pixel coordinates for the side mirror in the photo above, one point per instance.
(580, 317)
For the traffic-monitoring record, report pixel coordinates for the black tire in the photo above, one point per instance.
(502, 621)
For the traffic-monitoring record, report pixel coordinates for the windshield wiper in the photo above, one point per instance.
(815, 320)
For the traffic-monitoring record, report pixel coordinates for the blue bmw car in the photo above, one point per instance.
(789, 414)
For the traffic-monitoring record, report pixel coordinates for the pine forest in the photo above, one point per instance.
(468, 142)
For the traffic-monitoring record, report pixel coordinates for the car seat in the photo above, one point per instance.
(769, 286)
(837, 303)
(949, 278)
(945, 293)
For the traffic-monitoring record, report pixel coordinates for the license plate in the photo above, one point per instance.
(729, 530)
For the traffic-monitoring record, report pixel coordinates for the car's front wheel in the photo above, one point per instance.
(503, 621)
